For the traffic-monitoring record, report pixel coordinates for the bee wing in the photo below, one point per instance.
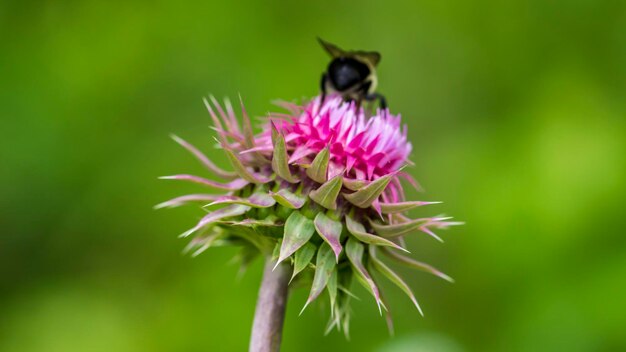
(372, 57)
(332, 49)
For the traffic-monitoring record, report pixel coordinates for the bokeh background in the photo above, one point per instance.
(516, 110)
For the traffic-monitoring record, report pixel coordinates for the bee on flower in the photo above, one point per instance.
(319, 193)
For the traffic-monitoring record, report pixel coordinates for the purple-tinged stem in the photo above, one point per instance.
(269, 315)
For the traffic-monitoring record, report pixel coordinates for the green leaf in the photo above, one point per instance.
(204, 159)
(268, 222)
(364, 197)
(229, 211)
(393, 277)
(248, 135)
(412, 263)
(326, 194)
(241, 170)
(275, 132)
(392, 208)
(233, 185)
(203, 242)
(280, 159)
(354, 251)
(276, 251)
(303, 258)
(216, 121)
(318, 170)
(340, 316)
(395, 230)
(330, 231)
(354, 184)
(324, 268)
(298, 231)
(263, 243)
(331, 286)
(256, 200)
(357, 230)
(288, 199)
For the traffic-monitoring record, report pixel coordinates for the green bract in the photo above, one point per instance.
(319, 190)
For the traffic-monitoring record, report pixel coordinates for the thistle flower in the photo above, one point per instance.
(320, 190)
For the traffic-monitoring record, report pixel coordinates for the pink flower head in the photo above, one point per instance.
(363, 148)
(321, 186)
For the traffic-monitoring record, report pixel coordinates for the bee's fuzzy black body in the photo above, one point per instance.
(352, 74)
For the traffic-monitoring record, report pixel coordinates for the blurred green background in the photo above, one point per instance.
(516, 110)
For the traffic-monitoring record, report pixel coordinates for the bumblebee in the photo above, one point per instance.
(352, 74)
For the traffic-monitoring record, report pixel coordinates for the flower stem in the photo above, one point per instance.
(270, 308)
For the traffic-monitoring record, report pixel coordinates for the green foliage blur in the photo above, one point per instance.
(516, 110)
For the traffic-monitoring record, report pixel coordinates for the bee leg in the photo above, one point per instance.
(381, 99)
(362, 94)
(323, 89)
(357, 103)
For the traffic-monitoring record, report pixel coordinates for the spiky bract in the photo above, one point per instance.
(318, 189)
